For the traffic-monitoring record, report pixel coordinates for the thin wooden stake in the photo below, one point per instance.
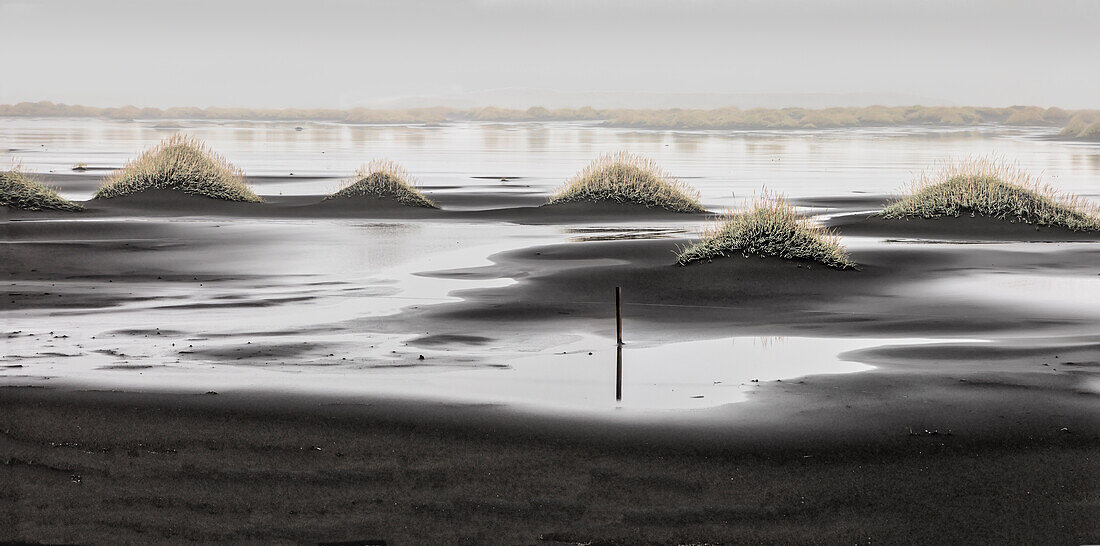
(619, 314)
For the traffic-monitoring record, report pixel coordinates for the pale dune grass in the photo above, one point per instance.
(180, 163)
(770, 227)
(623, 177)
(996, 188)
(383, 179)
(21, 190)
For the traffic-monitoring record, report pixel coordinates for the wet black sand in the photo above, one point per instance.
(941, 443)
(978, 467)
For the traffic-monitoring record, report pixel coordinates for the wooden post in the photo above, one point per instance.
(619, 340)
(619, 314)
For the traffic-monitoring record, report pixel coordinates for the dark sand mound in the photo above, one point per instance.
(165, 202)
(950, 228)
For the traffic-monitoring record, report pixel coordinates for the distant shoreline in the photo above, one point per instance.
(730, 118)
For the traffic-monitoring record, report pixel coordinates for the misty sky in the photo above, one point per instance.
(278, 53)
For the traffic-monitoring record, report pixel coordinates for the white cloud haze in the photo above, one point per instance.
(279, 53)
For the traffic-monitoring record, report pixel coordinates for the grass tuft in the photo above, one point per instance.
(628, 178)
(383, 179)
(20, 190)
(995, 188)
(771, 227)
(180, 163)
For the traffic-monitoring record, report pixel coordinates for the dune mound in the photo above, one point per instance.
(771, 227)
(180, 163)
(994, 188)
(21, 191)
(382, 180)
(623, 177)
(1083, 126)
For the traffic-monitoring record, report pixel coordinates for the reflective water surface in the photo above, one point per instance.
(281, 304)
(724, 165)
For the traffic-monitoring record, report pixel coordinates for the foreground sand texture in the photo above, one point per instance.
(96, 467)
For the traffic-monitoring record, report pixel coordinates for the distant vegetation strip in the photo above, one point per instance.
(1077, 123)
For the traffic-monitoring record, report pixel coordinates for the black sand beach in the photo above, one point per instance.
(529, 273)
(966, 442)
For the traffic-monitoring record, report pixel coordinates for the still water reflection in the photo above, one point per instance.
(725, 165)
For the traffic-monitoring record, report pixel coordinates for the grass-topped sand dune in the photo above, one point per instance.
(623, 177)
(382, 179)
(180, 163)
(770, 227)
(20, 190)
(995, 188)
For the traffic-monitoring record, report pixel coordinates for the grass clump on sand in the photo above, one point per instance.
(628, 178)
(995, 188)
(21, 191)
(771, 227)
(383, 179)
(180, 163)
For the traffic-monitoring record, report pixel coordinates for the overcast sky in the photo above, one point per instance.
(278, 53)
